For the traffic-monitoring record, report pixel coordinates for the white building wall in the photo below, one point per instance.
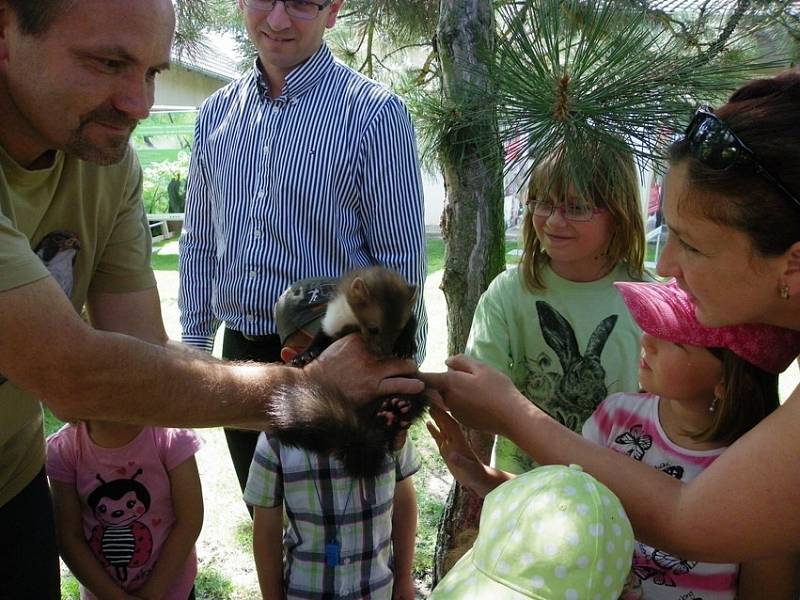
(179, 87)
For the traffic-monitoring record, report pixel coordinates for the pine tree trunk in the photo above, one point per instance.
(472, 222)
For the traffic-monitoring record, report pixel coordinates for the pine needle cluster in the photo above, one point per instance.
(579, 77)
(576, 77)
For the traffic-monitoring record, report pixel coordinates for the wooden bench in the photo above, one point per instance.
(158, 225)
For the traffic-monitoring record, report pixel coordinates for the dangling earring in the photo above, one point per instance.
(713, 405)
(785, 291)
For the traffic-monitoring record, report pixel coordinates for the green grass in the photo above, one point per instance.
(51, 422)
(435, 252)
(212, 585)
(163, 262)
(70, 589)
(243, 534)
(430, 507)
(434, 249)
(167, 262)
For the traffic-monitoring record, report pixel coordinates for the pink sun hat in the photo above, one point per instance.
(665, 311)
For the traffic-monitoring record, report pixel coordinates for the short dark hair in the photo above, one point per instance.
(36, 16)
(764, 114)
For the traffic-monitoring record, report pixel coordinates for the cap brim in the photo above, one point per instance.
(661, 310)
(665, 311)
(465, 581)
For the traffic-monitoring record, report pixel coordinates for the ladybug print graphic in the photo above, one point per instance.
(121, 541)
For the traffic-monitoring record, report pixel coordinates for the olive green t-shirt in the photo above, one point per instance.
(84, 225)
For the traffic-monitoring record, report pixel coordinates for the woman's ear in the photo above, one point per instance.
(790, 277)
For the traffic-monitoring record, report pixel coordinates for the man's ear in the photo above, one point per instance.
(336, 6)
(791, 270)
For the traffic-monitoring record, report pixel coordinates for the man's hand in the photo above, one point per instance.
(348, 366)
(479, 396)
(461, 459)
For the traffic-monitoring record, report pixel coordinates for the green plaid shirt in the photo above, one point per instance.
(323, 503)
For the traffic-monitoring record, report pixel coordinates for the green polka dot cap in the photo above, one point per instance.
(554, 533)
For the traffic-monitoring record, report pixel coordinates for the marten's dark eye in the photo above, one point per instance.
(374, 330)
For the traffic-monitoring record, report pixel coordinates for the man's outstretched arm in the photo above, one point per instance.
(84, 373)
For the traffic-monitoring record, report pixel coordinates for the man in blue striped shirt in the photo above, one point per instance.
(301, 168)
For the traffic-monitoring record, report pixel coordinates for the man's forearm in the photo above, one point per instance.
(119, 378)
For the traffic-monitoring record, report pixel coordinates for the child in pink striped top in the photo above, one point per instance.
(704, 389)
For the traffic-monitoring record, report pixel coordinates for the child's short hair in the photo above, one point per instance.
(554, 532)
(614, 186)
(302, 305)
(752, 355)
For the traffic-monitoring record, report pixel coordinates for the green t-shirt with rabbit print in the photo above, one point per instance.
(566, 347)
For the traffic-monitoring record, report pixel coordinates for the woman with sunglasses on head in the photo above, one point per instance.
(555, 324)
(732, 208)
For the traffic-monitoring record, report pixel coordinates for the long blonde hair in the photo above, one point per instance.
(612, 185)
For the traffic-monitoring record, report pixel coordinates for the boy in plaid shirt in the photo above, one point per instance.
(344, 538)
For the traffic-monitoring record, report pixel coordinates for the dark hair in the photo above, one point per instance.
(36, 16)
(750, 395)
(613, 185)
(765, 114)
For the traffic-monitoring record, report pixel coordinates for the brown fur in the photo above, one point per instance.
(324, 421)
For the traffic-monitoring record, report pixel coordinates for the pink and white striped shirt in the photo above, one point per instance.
(629, 424)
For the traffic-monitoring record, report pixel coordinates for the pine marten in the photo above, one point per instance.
(378, 303)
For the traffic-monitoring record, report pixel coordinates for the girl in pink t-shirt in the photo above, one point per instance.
(129, 508)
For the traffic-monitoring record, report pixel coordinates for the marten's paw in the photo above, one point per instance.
(395, 413)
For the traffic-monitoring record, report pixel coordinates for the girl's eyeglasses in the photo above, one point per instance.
(571, 211)
(715, 145)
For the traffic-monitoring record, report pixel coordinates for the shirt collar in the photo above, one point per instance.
(302, 78)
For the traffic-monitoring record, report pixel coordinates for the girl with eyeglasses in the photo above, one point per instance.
(734, 247)
(555, 324)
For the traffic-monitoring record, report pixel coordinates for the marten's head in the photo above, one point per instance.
(382, 302)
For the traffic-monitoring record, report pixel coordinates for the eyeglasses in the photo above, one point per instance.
(297, 9)
(571, 211)
(714, 144)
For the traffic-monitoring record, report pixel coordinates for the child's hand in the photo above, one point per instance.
(461, 459)
(403, 588)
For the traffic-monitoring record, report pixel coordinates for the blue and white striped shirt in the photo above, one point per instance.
(314, 183)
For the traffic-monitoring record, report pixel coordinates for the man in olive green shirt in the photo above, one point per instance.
(75, 78)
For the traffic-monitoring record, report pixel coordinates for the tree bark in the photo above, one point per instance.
(472, 222)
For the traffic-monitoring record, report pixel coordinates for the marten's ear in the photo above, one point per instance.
(359, 290)
(412, 293)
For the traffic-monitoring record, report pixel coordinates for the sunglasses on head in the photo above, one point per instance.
(714, 144)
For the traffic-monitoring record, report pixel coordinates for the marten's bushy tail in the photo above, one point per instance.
(323, 421)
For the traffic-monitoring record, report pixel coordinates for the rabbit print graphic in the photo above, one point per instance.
(567, 383)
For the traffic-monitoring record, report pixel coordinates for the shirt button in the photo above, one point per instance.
(276, 109)
(346, 561)
(250, 318)
(253, 274)
(257, 233)
(266, 148)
